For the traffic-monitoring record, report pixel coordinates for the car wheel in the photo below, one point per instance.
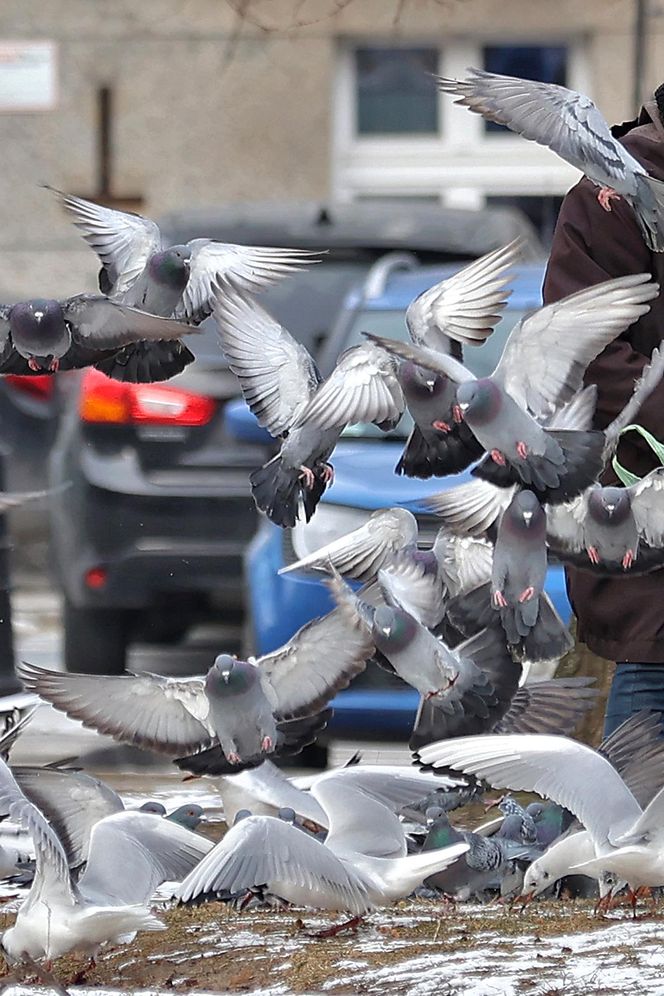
(96, 640)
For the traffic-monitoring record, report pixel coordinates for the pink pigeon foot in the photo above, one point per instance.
(606, 195)
(628, 559)
(327, 473)
(593, 555)
(33, 365)
(54, 365)
(266, 744)
(234, 758)
(307, 475)
(497, 457)
(441, 426)
(457, 414)
(527, 594)
(499, 600)
(522, 450)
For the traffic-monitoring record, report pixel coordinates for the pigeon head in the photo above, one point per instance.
(171, 267)
(434, 813)
(287, 814)
(537, 810)
(525, 514)
(479, 400)
(187, 816)
(241, 814)
(609, 505)
(421, 381)
(40, 333)
(393, 629)
(153, 807)
(230, 676)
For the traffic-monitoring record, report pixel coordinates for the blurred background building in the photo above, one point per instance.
(162, 105)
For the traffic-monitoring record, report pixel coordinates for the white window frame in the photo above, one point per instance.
(463, 165)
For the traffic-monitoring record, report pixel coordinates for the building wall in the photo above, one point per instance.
(209, 109)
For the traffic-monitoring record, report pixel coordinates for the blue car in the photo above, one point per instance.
(377, 705)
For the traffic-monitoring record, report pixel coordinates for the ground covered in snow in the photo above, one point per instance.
(416, 949)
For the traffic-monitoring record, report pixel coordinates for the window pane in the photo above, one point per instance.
(396, 94)
(546, 63)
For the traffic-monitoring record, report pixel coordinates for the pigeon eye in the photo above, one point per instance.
(545, 874)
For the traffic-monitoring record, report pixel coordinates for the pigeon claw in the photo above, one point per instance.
(522, 450)
(593, 555)
(234, 758)
(267, 744)
(307, 475)
(499, 600)
(457, 414)
(527, 594)
(440, 426)
(628, 559)
(33, 365)
(54, 365)
(498, 457)
(606, 195)
(327, 473)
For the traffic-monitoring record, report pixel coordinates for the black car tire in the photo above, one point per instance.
(96, 640)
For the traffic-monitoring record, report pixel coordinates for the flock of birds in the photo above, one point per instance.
(460, 622)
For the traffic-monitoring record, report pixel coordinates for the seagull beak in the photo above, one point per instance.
(523, 900)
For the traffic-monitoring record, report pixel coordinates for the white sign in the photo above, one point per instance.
(27, 76)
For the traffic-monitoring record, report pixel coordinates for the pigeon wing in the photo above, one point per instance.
(319, 660)
(249, 268)
(470, 509)
(466, 306)
(276, 373)
(124, 242)
(569, 334)
(161, 714)
(363, 387)
(565, 121)
(98, 323)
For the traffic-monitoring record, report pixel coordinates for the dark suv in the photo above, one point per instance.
(149, 537)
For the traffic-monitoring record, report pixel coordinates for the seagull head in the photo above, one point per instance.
(40, 333)
(171, 267)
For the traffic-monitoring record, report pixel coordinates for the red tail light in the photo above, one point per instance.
(41, 386)
(106, 400)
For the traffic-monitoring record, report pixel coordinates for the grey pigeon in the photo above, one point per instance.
(507, 410)
(466, 685)
(153, 807)
(235, 715)
(43, 336)
(612, 530)
(514, 811)
(282, 386)
(463, 308)
(189, 815)
(480, 868)
(139, 270)
(570, 124)
(420, 579)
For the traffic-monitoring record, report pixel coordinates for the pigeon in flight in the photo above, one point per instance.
(570, 124)
(283, 388)
(505, 411)
(171, 281)
(43, 336)
(235, 715)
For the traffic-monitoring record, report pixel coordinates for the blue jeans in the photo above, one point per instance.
(634, 687)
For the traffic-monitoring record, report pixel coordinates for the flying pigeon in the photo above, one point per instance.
(466, 685)
(171, 281)
(129, 855)
(570, 124)
(43, 336)
(421, 579)
(283, 388)
(464, 309)
(235, 715)
(504, 411)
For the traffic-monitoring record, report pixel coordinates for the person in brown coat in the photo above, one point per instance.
(621, 619)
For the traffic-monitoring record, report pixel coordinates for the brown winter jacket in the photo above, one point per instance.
(620, 619)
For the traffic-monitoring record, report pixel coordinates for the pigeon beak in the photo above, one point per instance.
(226, 676)
(465, 406)
(38, 315)
(430, 384)
(527, 517)
(610, 509)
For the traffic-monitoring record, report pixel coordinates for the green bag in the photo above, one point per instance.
(626, 476)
